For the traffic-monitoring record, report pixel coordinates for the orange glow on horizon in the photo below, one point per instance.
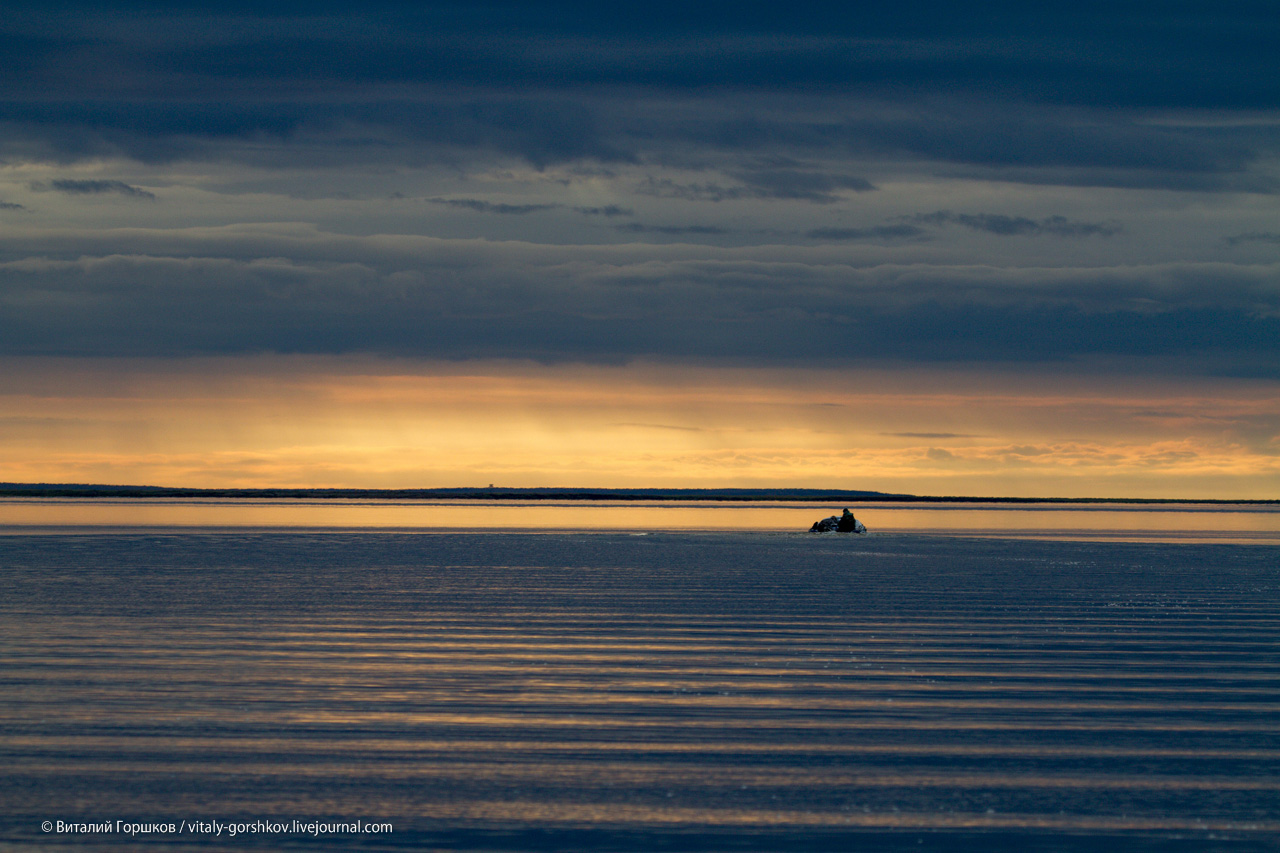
(308, 422)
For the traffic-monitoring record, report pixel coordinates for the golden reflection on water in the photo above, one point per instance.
(762, 774)
(1144, 522)
(85, 745)
(587, 813)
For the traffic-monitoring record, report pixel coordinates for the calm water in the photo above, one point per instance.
(1028, 688)
(1138, 522)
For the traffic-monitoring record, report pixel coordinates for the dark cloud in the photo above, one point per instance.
(609, 210)
(492, 207)
(1028, 143)
(1211, 179)
(1007, 226)
(667, 188)
(300, 291)
(910, 226)
(276, 94)
(763, 184)
(1024, 89)
(639, 228)
(1253, 237)
(1145, 54)
(795, 184)
(89, 187)
(750, 104)
(544, 128)
(9, 205)
(882, 232)
(987, 139)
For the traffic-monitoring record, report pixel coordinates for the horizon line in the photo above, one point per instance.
(492, 492)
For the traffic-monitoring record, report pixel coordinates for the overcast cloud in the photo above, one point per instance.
(756, 185)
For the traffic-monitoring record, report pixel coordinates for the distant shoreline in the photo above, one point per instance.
(49, 490)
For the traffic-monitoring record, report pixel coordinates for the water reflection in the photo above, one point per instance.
(1124, 522)
(665, 692)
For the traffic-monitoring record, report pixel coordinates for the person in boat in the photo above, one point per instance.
(845, 523)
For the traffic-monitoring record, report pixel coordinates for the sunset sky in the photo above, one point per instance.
(993, 249)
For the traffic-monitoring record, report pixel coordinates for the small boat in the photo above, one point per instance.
(845, 523)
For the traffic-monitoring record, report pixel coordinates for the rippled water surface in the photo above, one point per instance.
(641, 690)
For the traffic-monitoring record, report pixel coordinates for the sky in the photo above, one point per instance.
(985, 249)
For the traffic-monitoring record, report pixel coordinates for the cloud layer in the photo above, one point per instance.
(1044, 188)
(225, 291)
